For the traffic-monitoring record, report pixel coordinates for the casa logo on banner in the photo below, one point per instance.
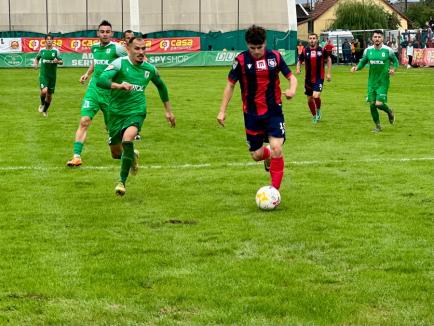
(176, 44)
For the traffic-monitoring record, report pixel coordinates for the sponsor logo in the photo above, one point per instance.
(376, 62)
(15, 45)
(101, 62)
(137, 88)
(13, 60)
(225, 56)
(272, 63)
(173, 59)
(260, 65)
(178, 43)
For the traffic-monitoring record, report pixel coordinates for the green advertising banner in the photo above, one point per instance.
(188, 59)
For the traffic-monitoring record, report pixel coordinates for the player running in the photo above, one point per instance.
(314, 56)
(95, 98)
(379, 57)
(257, 70)
(49, 58)
(128, 78)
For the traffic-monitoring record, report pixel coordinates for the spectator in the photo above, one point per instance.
(300, 48)
(395, 48)
(346, 51)
(410, 54)
(329, 49)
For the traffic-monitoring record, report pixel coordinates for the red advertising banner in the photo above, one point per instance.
(421, 57)
(79, 45)
(83, 45)
(173, 45)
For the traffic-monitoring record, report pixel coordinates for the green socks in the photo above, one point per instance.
(78, 148)
(374, 114)
(126, 160)
(384, 107)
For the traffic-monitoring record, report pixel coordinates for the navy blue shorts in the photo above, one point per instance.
(309, 87)
(258, 128)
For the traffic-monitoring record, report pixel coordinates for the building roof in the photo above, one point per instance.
(321, 6)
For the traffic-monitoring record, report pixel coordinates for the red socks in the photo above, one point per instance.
(318, 103)
(276, 171)
(312, 107)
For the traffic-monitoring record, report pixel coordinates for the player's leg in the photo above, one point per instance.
(308, 90)
(255, 135)
(317, 99)
(276, 136)
(47, 102)
(89, 109)
(373, 108)
(381, 101)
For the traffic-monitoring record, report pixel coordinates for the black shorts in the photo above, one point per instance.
(310, 87)
(258, 128)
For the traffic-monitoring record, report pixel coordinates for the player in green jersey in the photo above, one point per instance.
(128, 78)
(95, 98)
(382, 63)
(49, 58)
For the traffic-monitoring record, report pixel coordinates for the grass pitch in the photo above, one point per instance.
(351, 243)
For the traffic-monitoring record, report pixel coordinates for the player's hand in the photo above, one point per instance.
(171, 119)
(289, 94)
(329, 77)
(83, 78)
(391, 71)
(353, 69)
(298, 71)
(125, 86)
(221, 118)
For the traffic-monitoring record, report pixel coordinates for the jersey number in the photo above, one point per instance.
(282, 127)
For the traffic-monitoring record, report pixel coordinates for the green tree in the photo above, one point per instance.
(420, 13)
(363, 15)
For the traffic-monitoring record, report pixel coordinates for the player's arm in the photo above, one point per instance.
(164, 96)
(329, 68)
(36, 61)
(290, 92)
(299, 62)
(105, 79)
(227, 95)
(395, 62)
(363, 61)
(89, 72)
(58, 58)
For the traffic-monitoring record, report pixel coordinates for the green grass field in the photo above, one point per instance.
(351, 243)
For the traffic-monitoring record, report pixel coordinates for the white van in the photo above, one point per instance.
(336, 37)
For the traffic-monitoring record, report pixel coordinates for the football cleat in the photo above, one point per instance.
(120, 189)
(41, 108)
(138, 137)
(135, 166)
(377, 129)
(318, 115)
(391, 116)
(267, 161)
(76, 161)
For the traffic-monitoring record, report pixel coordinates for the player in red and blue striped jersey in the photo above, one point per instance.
(257, 70)
(314, 57)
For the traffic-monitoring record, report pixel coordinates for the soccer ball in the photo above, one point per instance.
(267, 198)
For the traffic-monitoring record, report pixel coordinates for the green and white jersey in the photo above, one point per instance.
(48, 67)
(379, 61)
(103, 55)
(133, 102)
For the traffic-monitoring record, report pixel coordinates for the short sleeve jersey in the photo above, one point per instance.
(379, 61)
(125, 103)
(103, 55)
(259, 81)
(48, 67)
(314, 58)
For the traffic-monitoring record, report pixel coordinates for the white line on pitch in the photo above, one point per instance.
(219, 165)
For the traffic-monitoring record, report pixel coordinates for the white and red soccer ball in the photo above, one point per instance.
(267, 198)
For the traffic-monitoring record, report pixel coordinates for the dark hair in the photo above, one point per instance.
(310, 34)
(131, 40)
(127, 31)
(377, 31)
(49, 36)
(105, 23)
(256, 35)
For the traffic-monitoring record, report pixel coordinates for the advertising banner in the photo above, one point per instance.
(173, 45)
(79, 44)
(421, 57)
(10, 45)
(187, 59)
(83, 45)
